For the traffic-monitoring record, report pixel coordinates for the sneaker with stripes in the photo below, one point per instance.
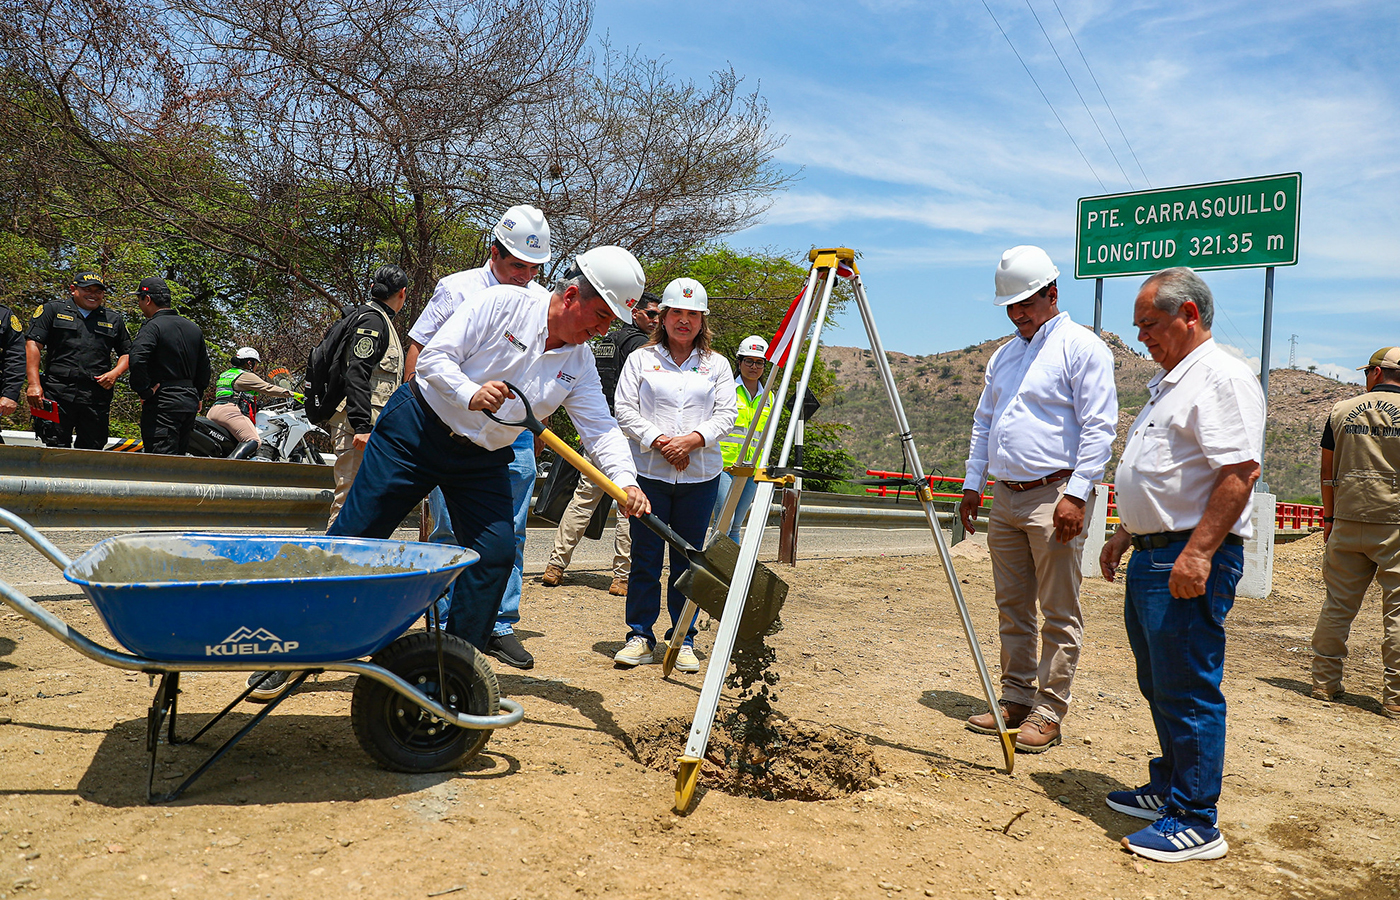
(1144, 803)
(1171, 840)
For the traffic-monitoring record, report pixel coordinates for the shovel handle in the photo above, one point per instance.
(590, 471)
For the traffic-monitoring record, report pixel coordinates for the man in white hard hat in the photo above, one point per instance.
(1361, 525)
(1043, 430)
(519, 246)
(434, 432)
(609, 353)
(753, 402)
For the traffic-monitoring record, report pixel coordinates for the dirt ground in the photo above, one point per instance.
(562, 806)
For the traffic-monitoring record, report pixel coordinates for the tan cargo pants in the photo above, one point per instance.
(1028, 567)
(347, 461)
(574, 522)
(1357, 552)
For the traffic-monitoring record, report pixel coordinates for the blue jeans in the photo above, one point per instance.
(745, 501)
(1179, 646)
(686, 508)
(522, 486)
(407, 456)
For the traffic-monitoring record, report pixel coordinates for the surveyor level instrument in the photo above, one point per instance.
(706, 582)
(811, 315)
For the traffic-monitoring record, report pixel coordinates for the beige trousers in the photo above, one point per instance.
(574, 523)
(1357, 552)
(347, 461)
(1028, 567)
(239, 425)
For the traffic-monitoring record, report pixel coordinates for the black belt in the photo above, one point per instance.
(1039, 482)
(177, 382)
(1167, 538)
(431, 415)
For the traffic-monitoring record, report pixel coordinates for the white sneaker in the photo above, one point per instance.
(686, 660)
(636, 653)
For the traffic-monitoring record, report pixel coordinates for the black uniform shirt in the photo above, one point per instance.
(168, 350)
(612, 351)
(11, 354)
(78, 349)
(365, 346)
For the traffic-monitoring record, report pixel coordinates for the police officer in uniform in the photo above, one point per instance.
(373, 363)
(1361, 524)
(235, 403)
(610, 352)
(753, 401)
(169, 371)
(78, 338)
(11, 361)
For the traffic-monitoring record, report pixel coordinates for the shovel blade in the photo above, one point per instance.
(767, 592)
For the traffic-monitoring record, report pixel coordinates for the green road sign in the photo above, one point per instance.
(1226, 225)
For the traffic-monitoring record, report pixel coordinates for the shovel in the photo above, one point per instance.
(706, 581)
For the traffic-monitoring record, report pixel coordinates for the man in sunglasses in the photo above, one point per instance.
(609, 353)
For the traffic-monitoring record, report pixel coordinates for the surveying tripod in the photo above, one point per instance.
(811, 315)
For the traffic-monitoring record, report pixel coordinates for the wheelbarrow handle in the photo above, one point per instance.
(590, 471)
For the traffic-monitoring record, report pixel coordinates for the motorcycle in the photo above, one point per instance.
(282, 429)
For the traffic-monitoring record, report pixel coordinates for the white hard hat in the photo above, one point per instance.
(753, 345)
(247, 353)
(525, 233)
(1023, 271)
(615, 274)
(685, 293)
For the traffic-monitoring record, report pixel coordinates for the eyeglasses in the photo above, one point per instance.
(755, 360)
(650, 313)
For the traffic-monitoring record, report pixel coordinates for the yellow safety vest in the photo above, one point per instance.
(730, 443)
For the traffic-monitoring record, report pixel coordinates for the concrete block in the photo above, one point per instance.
(1258, 579)
(1097, 533)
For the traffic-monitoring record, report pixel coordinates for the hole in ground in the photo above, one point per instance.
(798, 761)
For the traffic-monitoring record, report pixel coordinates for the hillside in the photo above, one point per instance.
(940, 392)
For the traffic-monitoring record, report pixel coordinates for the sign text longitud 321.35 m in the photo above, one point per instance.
(1224, 225)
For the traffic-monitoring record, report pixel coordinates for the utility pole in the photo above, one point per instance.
(1293, 352)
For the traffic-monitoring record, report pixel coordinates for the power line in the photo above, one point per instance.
(1054, 50)
(1042, 95)
(1101, 95)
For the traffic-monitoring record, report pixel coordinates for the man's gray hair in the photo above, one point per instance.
(574, 278)
(1177, 285)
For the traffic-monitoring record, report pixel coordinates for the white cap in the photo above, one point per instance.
(1023, 271)
(525, 233)
(247, 353)
(753, 345)
(685, 293)
(615, 274)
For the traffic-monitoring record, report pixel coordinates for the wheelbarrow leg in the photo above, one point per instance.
(223, 749)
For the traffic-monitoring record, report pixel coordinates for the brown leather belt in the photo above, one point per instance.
(1039, 482)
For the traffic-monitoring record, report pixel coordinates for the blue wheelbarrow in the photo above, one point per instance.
(424, 702)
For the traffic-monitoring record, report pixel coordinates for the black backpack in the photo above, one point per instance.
(325, 370)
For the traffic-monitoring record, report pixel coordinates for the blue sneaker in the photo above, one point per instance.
(1144, 803)
(1171, 840)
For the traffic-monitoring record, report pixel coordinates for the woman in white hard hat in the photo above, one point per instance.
(675, 400)
(753, 402)
(235, 396)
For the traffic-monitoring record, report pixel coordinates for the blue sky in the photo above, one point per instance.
(923, 144)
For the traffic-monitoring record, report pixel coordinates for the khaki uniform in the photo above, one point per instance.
(1365, 539)
(386, 378)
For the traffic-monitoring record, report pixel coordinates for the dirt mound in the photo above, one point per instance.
(799, 761)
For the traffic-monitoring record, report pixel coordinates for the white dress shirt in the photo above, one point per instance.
(499, 334)
(451, 290)
(1206, 413)
(656, 396)
(1048, 403)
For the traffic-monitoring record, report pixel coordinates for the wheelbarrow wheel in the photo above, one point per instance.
(402, 736)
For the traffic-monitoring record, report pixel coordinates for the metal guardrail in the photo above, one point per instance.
(99, 489)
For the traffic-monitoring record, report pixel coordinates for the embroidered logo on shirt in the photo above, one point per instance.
(38, 311)
(515, 342)
(64, 316)
(364, 347)
(565, 377)
(14, 322)
(106, 325)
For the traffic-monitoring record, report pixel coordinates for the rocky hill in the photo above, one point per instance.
(940, 392)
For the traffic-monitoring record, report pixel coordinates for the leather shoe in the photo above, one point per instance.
(1013, 714)
(552, 576)
(618, 588)
(1037, 734)
(1391, 710)
(508, 649)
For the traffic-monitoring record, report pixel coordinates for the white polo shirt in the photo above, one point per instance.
(451, 290)
(657, 395)
(1048, 403)
(1205, 413)
(499, 334)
